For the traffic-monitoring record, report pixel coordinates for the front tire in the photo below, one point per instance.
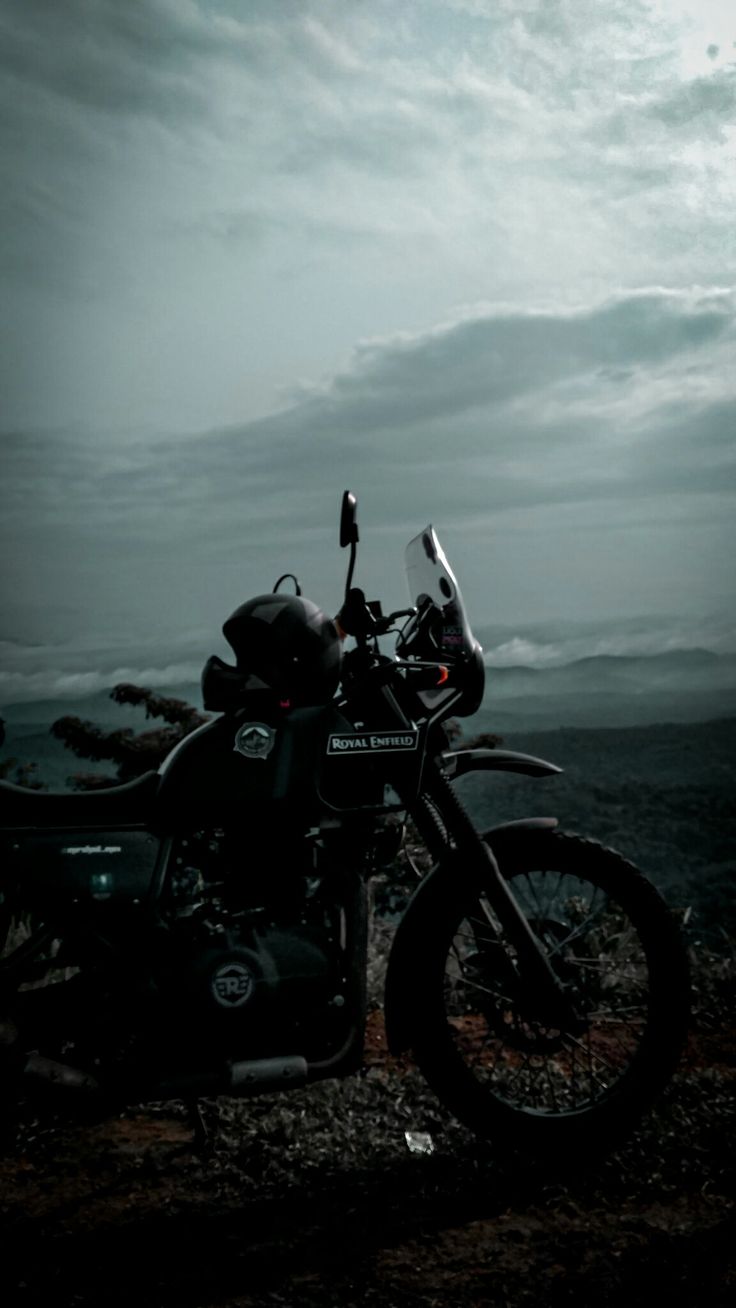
(613, 943)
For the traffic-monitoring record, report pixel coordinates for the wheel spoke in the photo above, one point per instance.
(551, 1085)
(588, 1048)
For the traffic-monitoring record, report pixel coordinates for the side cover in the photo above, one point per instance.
(84, 865)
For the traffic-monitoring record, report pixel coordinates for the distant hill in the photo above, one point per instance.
(598, 709)
(613, 690)
(686, 670)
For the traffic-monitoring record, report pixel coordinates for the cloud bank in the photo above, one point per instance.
(613, 418)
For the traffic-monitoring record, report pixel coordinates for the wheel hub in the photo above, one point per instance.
(509, 1008)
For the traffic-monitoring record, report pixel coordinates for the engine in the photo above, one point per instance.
(258, 948)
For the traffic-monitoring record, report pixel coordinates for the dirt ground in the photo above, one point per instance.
(315, 1198)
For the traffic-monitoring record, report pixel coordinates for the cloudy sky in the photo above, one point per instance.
(473, 258)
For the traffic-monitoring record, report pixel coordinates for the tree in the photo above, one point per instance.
(132, 753)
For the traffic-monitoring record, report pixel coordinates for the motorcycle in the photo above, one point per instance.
(203, 929)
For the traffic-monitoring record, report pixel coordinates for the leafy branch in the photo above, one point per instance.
(132, 753)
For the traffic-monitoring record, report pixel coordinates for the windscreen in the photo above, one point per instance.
(435, 593)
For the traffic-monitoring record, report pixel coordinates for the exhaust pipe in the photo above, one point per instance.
(44, 1071)
(259, 1074)
(252, 1076)
(249, 1077)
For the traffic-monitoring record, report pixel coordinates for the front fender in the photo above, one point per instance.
(455, 762)
(437, 894)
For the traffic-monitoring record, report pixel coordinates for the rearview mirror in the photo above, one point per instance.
(348, 523)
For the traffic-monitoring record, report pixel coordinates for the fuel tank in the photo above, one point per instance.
(272, 765)
(256, 763)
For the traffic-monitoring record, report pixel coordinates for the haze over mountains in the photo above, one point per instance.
(597, 690)
(692, 683)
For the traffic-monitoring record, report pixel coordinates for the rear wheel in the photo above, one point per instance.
(613, 944)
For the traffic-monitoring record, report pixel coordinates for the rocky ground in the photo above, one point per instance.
(315, 1198)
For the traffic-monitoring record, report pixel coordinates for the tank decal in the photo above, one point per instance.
(254, 740)
(374, 742)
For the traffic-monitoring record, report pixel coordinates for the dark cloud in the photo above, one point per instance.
(132, 58)
(703, 106)
(74, 78)
(459, 413)
(595, 422)
(459, 388)
(491, 360)
(163, 58)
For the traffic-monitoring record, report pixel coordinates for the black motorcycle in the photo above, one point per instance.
(203, 930)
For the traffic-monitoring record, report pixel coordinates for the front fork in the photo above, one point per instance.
(552, 1005)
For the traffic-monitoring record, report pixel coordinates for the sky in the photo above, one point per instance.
(474, 260)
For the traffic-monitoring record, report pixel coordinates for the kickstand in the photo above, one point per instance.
(202, 1138)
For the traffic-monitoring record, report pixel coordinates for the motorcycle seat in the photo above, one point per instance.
(128, 805)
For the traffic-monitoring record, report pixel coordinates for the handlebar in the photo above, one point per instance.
(394, 617)
(422, 675)
(363, 618)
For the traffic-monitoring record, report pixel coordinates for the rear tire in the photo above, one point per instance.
(611, 939)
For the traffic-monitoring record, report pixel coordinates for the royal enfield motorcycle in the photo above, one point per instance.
(203, 930)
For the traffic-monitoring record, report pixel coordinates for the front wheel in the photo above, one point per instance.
(613, 945)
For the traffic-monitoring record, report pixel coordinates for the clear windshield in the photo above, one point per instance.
(434, 591)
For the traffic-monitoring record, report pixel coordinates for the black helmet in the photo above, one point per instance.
(289, 644)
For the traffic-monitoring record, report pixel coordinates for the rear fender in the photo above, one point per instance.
(440, 892)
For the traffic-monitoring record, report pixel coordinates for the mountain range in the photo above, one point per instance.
(677, 686)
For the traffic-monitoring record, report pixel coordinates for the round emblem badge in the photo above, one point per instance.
(255, 740)
(232, 985)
